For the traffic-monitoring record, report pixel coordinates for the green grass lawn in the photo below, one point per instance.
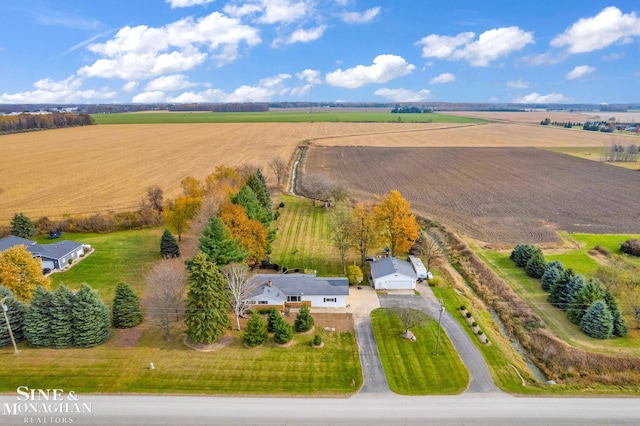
(594, 154)
(235, 370)
(275, 117)
(117, 257)
(413, 368)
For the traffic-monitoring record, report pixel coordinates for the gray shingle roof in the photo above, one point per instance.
(57, 250)
(10, 241)
(391, 265)
(299, 284)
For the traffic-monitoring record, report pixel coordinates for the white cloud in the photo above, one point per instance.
(301, 36)
(130, 86)
(135, 53)
(169, 83)
(272, 11)
(613, 56)
(360, 18)
(274, 81)
(310, 76)
(489, 46)
(447, 77)
(518, 84)
(149, 97)
(600, 31)
(46, 16)
(403, 95)
(187, 3)
(301, 90)
(580, 71)
(383, 69)
(63, 91)
(537, 98)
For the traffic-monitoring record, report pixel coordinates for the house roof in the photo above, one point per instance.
(10, 241)
(391, 265)
(57, 250)
(283, 285)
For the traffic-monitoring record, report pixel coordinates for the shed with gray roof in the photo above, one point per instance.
(391, 273)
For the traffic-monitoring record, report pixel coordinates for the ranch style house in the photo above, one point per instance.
(53, 256)
(294, 290)
(391, 273)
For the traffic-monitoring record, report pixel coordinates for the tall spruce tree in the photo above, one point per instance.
(597, 321)
(38, 322)
(283, 333)
(62, 333)
(619, 326)
(256, 332)
(559, 287)
(304, 320)
(552, 271)
(535, 265)
(126, 307)
(16, 314)
(583, 298)
(522, 253)
(273, 320)
(168, 245)
(22, 226)
(218, 246)
(207, 312)
(91, 321)
(249, 200)
(574, 285)
(258, 184)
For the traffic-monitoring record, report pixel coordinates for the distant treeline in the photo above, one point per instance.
(236, 107)
(25, 122)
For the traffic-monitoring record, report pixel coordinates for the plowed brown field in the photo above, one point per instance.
(498, 195)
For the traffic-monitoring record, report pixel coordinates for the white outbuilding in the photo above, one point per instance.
(390, 273)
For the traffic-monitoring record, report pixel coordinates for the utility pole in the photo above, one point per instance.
(439, 321)
(5, 308)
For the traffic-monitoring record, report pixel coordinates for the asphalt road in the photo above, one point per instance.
(370, 409)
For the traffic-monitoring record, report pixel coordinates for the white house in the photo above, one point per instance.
(390, 273)
(295, 290)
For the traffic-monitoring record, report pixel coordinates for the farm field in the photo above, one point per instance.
(495, 195)
(538, 116)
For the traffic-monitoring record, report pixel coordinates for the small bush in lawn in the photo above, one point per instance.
(468, 314)
(281, 205)
(283, 333)
(304, 320)
(273, 320)
(474, 324)
(479, 332)
(317, 340)
(631, 247)
(435, 282)
(256, 332)
(462, 307)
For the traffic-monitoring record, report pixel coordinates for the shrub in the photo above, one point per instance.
(462, 307)
(273, 320)
(317, 340)
(304, 320)
(256, 332)
(283, 333)
(281, 205)
(535, 265)
(474, 324)
(631, 247)
(468, 314)
(479, 332)
(435, 281)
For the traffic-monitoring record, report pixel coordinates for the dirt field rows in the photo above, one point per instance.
(498, 195)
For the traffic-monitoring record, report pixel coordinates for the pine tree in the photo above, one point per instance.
(16, 311)
(218, 246)
(559, 287)
(207, 312)
(619, 326)
(91, 321)
(574, 285)
(126, 307)
(62, 332)
(304, 320)
(273, 320)
(38, 324)
(582, 299)
(597, 321)
(522, 253)
(283, 333)
(258, 184)
(22, 226)
(535, 265)
(249, 200)
(551, 273)
(256, 332)
(168, 245)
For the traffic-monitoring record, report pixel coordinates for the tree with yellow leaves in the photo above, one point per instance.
(397, 222)
(21, 273)
(177, 213)
(365, 229)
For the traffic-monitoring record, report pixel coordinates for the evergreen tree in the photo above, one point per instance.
(522, 253)
(559, 287)
(91, 321)
(249, 200)
(551, 274)
(574, 285)
(304, 320)
(38, 325)
(61, 317)
(583, 298)
(597, 321)
(218, 246)
(126, 307)
(535, 265)
(207, 312)
(619, 326)
(22, 226)
(168, 245)
(16, 311)
(258, 184)
(273, 320)
(256, 332)
(283, 333)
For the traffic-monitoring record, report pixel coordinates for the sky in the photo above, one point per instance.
(179, 51)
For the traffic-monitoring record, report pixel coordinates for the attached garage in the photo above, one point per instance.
(390, 273)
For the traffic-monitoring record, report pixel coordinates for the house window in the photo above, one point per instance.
(330, 299)
(263, 302)
(293, 298)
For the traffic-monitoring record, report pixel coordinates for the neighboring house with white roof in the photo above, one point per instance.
(53, 256)
(390, 273)
(295, 290)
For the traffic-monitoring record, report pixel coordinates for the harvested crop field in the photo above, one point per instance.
(496, 195)
(108, 167)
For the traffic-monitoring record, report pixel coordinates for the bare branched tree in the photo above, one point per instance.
(238, 286)
(427, 248)
(317, 187)
(410, 317)
(280, 169)
(166, 283)
(155, 198)
(210, 207)
(341, 226)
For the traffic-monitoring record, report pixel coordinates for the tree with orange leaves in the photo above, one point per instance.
(251, 234)
(397, 222)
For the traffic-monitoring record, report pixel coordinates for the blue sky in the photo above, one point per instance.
(79, 51)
